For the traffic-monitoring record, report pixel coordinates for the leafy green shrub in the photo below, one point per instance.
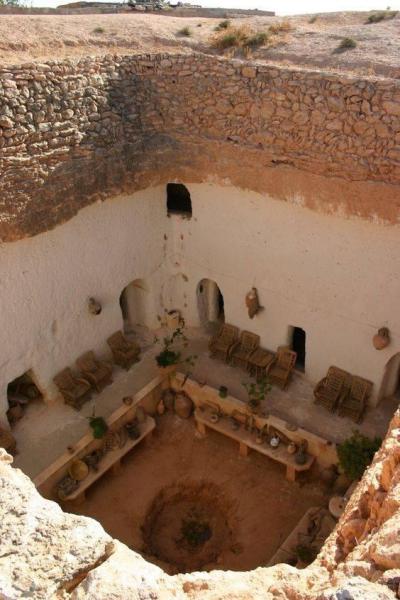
(223, 25)
(185, 32)
(257, 40)
(99, 427)
(257, 392)
(168, 356)
(356, 453)
(99, 30)
(346, 44)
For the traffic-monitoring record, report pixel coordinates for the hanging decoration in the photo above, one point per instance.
(381, 339)
(252, 303)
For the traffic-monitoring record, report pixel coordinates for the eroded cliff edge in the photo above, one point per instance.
(45, 553)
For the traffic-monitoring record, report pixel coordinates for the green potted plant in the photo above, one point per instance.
(256, 392)
(223, 391)
(99, 427)
(171, 356)
(356, 453)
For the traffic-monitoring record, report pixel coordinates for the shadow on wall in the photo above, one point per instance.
(210, 304)
(390, 386)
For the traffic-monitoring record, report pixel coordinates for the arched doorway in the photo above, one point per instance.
(390, 387)
(210, 303)
(133, 301)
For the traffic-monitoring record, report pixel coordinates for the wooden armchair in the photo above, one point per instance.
(241, 351)
(331, 388)
(98, 372)
(125, 353)
(354, 402)
(280, 369)
(221, 344)
(75, 390)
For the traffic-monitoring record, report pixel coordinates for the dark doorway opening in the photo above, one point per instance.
(21, 392)
(210, 302)
(178, 200)
(299, 346)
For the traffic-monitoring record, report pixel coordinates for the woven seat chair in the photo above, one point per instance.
(332, 388)
(354, 402)
(280, 370)
(75, 390)
(221, 343)
(125, 352)
(98, 372)
(241, 351)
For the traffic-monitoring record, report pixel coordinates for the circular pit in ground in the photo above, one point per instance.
(189, 526)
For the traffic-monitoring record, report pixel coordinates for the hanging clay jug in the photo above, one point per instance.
(183, 405)
(381, 339)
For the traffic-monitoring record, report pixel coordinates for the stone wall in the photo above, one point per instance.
(46, 553)
(73, 132)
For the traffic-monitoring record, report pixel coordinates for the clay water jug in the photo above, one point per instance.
(183, 405)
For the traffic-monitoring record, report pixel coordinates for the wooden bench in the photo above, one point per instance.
(111, 460)
(246, 442)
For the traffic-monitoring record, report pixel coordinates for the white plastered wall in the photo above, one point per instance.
(336, 278)
(46, 281)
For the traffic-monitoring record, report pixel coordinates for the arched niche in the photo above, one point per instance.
(134, 301)
(210, 304)
(390, 386)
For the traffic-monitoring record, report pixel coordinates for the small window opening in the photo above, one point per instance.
(299, 345)
(21, 392)
(178, 200)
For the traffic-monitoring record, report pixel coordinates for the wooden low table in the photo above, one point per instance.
(111, 460)
(259, 361)
(246, 442)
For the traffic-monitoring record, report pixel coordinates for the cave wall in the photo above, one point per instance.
(73, 132)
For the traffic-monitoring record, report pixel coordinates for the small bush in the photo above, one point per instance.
(99, 30)
(356, 453)
(257, 40)
(313, 19)
(185, 32)
(223, 25)
(346, 44)
(233, 37)
(281, 27)
(381, 16)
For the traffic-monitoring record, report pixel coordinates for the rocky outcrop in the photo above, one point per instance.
(45, 553)
(75, 132)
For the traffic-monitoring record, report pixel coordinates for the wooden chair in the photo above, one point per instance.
(331, 388)
(221, 344)
(280, 369)
(125, 353)
(354, 402)
(98, 372)
(241, 351)
(75, 390)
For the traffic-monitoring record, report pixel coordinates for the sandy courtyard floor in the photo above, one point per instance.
(262, 507)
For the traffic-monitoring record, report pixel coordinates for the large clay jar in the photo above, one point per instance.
(381, 339)
(183, 405)
(168, 397)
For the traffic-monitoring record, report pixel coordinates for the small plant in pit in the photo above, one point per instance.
(346, 44)
(170, 356)
(312, 19)
(356, 453)
(99, 426)
(257, 392)
(195, 532)
(185, 32)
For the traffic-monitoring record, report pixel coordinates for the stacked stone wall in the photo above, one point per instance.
(71, 132)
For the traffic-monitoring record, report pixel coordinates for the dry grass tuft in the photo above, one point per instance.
(281, 27)
(240, 38)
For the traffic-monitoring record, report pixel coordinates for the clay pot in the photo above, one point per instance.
(292, 448)
(168, 398)
(381, 339)
(301, 457)
(183, 405)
